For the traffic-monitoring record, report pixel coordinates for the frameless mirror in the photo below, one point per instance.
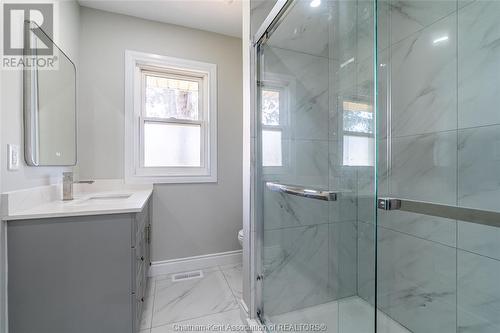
(49, 101)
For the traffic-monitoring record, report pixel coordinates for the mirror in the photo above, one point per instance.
(49, 90)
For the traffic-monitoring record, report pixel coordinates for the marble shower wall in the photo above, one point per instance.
(310, 247)
(439, 65)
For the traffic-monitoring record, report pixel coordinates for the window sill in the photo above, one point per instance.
(170, 179)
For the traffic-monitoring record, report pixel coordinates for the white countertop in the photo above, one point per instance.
(101, 198)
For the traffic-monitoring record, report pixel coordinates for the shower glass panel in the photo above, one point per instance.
(315, 171)
(439, 156)
(389, 199)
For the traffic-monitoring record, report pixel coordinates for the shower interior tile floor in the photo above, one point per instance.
(213, 299)
(347, 315)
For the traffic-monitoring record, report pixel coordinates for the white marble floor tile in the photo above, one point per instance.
(183, 300)
(169, 276)
(356, 316)
(349, 315)
(228, 318)
(323, 314)
(233, 275)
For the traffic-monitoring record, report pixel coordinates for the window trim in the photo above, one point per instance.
(136, 65)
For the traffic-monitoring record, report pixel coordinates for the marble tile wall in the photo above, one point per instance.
(297, 235)
(421, 293)
(478, 65)
(310, 247)
(478, 293)
(424, 92)
(438, 75)
(478, 167)
(342, 256)
(295, 268)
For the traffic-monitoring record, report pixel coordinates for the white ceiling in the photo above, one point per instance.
(220, 16)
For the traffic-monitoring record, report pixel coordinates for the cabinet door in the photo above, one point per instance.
(70, 275)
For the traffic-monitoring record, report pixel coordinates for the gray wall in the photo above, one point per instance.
(11, 129)
(188, 219)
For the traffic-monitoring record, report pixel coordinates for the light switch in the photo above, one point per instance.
(13, 157)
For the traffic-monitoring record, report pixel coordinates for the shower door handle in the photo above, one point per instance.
(477, 216)
(302, 191)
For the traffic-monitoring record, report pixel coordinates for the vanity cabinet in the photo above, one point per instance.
(83, 274)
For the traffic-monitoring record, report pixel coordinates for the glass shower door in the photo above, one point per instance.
(439, 237)
(315, 160)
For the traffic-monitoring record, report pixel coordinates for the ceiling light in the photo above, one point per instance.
(315, 3)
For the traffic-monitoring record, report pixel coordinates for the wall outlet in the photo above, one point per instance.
(13, 157)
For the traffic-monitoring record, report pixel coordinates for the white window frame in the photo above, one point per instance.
(137, 66)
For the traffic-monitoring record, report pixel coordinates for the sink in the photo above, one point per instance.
(100, 199)
(110, 196)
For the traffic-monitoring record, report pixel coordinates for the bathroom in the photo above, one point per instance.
(250, 165)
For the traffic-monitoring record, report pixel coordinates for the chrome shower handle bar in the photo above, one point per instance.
(303, 192)
(478, 216)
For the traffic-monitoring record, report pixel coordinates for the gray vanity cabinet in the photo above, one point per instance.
(78, 274)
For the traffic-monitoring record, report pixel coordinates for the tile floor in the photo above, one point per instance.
(212, 299)
(348, 315)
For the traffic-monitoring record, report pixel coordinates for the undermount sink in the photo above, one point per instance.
(100, 199)
(110, 196)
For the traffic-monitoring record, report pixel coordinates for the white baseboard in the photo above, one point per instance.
(194, 263)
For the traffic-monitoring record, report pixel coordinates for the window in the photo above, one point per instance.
(358, 134)
(274, 100)
(170, 120)
(272, 153)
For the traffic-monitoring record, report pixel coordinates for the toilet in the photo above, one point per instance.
(240, 237)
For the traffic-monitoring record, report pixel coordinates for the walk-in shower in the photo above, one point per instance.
(377, 166)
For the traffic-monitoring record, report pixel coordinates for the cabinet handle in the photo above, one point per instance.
(148, 234)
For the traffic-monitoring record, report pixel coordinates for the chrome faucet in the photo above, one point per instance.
(68, 185)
